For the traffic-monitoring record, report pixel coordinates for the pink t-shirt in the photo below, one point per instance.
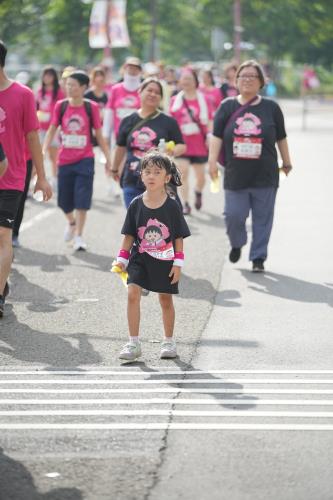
(45, 106)
(17, 118)
(75, 132)
(193, 135)
(213, 96)
(123, 103)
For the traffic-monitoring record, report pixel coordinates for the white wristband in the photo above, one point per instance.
(178, 262)
(123, 261)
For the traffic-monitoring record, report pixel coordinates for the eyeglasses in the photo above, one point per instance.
(248, 77)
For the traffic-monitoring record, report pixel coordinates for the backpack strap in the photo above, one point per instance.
(63, 107)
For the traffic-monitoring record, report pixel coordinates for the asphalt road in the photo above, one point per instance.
(246, 410)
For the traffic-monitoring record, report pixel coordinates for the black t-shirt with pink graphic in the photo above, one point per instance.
(154, 232)
(142, 139)
(250, 143)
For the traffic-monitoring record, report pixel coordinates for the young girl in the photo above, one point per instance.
(152, 250)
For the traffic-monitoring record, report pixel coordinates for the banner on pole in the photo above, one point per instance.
(118, 32)
(98, 35)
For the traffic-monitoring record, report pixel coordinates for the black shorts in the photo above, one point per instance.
(194, 159)
(9, 203)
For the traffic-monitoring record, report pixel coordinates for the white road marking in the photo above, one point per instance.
(130, 371)
(167, 390)
(82, 300)
(37, 218)
(183, 402)
(166, 413)
(168, 426)
(168, 381)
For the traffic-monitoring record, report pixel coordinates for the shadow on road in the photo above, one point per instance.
(238, 388)
(17, 483)
(287, 287)
(202, 289)
(50, 263)
(96, 261)
(24, 343)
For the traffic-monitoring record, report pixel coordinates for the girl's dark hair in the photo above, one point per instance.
(163, 161)
(155, 229)
(51, 71)
(211, 76)
(3, 53)
(151, 79)
(251, 63)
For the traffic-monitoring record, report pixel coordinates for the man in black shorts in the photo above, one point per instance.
(18, 123)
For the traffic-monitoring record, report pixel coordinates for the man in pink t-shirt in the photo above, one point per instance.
(18, 121)
(124, 98)
(78, 119)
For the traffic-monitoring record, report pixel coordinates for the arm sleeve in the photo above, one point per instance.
(107, 122)
(96, 119)
(181, 227)
(129, 226)
(174, 132)
(279, 123)
(30, 120)
(2, 153)
(220, 120)
(56, 114)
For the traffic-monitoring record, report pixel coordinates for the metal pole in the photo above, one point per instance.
(153, 9)
(237, 31)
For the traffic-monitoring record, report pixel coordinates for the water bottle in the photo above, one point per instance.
(162, 146)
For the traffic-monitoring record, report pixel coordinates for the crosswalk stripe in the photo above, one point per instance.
(167, 390)
(157, 371)
(183, 402)
(166, 381)
(167, 426)
(165, 413)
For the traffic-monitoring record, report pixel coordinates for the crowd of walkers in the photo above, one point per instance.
(152, 129)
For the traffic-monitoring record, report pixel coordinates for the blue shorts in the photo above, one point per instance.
(75, 185)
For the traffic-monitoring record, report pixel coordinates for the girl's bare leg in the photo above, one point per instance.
(133, 309)
(168, 313)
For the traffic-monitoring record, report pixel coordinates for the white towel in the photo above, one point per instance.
(178, 103)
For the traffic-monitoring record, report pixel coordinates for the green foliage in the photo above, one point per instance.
(57, 30)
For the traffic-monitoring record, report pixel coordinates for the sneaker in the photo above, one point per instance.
(168, 350)
(69, 232)
(2, 305)
(258, 265)
(131, 351)
(186, 209)
(15, 242)
(79, 244)
(234, 255)
(5, 292)
(198, 200)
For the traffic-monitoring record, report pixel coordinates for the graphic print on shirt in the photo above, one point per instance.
(153, 237)
(188, 126)
(125, 106)
(142, 141)
(74, 139)
(2, 119)
(247, 146)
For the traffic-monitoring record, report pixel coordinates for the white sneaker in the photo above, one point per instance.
(69, 232)
(131, 351)
(79, 244)
(168, 350)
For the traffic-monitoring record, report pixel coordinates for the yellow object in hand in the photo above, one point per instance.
(170, 146)
(122, 274)
(215, 185)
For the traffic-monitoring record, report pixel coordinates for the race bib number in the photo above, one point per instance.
(164, 253)
(249, 148)
(190, 128)
(74, 141)
(43, 116)
(123, 112)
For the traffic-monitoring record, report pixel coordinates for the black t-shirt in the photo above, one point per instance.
(154, 232)
(142, 139)
(250, 152)
(101, 100)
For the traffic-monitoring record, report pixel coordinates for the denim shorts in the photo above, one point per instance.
(75, 185)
